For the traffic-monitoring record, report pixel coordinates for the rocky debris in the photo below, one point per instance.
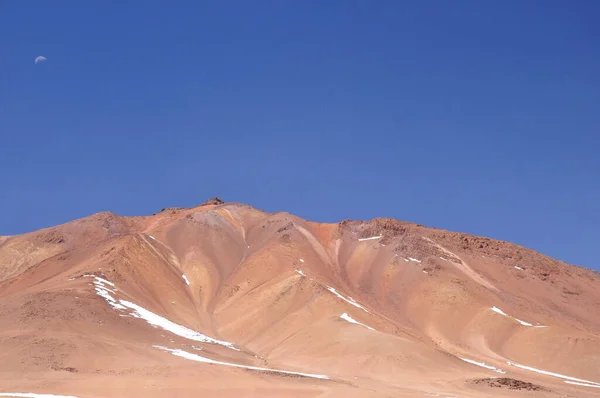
(171, 210)
(575, 291)
(69, 369)
(406, 238)
(286, 227)
(431, 266)
(113, 225)
(511, 384)
(539, 265)
(403, 238)
(285, 238)
(276, 220)
(207, 218)
(213, 201)
(389, 228)
(54, 237)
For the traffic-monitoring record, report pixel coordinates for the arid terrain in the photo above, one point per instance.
(224, 300)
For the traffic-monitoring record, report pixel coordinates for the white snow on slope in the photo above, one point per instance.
(301, 260)
(371, 238)
(151, 237)
(483, 365)
(582, 384)
(544, 372)
(33, 395)
(414, 259)
(153, 319)
(348, 318)
(349, 300)
(100, 280)
(187, 282)
(100, 286)
(105, 292)
(499, 311)
(517, 267)
(300, 272)
(157, 320)
(198, 358)
(523, 322)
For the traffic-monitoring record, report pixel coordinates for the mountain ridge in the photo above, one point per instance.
(380, 307)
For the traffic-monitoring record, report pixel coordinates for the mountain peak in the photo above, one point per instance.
(213, 201)
(207, 292)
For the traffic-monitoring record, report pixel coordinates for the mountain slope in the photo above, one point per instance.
(228, 300)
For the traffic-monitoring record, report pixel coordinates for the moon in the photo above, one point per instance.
(39, 59)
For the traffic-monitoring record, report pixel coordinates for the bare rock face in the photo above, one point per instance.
(171, 210)
(508, 383)
(226, 300)
(213, 201)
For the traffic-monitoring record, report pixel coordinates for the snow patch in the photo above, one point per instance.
(523, 322)
(371, 238)
(499, 311)
(104, 288)
(483, 365)
(105, 292)
(544, 372)
(100, 280)
(151, 237)
(301, 260)
(187, 282)
(517, 267)
(182, 331)
(300, 272)
(198, 358)
(349, 300)
(414, 259)
(582, 384)
(153, 319)
(348, 318)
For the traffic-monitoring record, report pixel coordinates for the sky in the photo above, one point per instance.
(474, 116)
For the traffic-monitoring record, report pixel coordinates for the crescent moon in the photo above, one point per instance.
(39, 59)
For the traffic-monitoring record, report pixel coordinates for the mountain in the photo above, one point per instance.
(226, 300)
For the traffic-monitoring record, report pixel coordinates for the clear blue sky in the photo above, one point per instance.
(474, 116)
